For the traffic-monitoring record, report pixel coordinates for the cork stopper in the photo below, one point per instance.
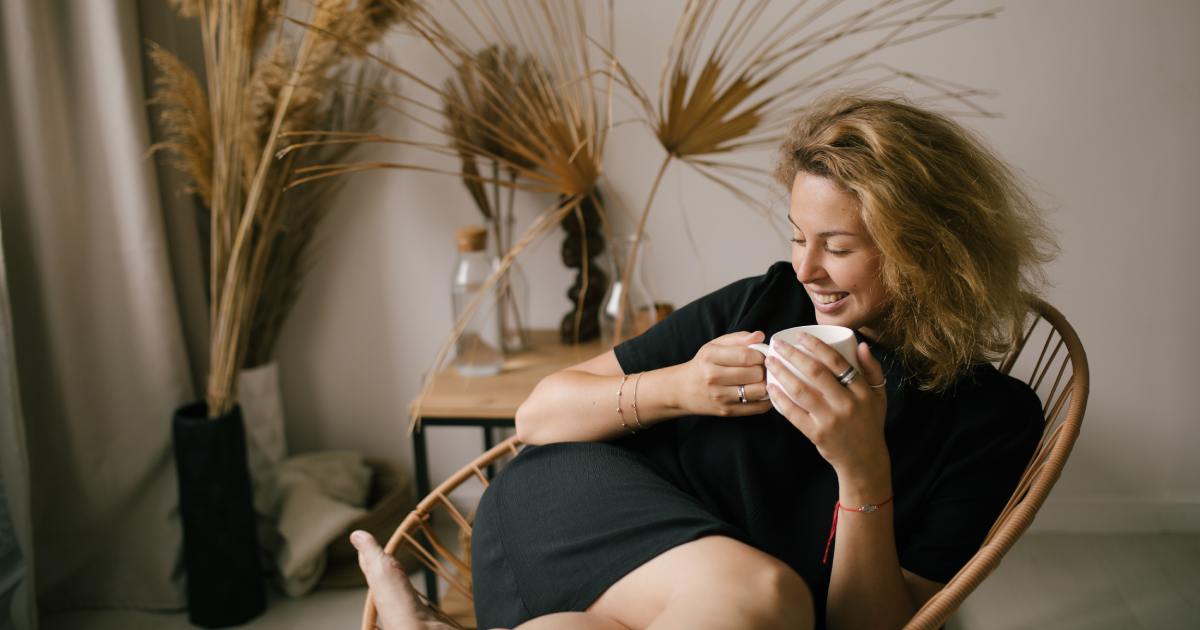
(472, 238)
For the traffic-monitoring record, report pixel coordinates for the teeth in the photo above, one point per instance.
(830, 298)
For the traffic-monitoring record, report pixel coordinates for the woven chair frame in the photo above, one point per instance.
(1061, 357)
(1059, 374)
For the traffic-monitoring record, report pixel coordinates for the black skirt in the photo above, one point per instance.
(564, 522)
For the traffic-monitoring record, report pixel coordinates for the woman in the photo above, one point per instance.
(664, 490)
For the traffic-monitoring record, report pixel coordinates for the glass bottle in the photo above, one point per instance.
(477, 350)
(641, 311)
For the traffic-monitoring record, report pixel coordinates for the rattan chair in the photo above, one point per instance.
(1050, 358)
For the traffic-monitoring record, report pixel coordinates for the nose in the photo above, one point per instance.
(807, 262)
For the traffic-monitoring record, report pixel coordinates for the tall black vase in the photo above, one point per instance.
(225, 586)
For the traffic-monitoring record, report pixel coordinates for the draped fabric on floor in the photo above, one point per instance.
(97, 345)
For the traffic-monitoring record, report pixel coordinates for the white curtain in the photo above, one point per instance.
(100, 355)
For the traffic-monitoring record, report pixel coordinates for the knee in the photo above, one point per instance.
(775, 596)
(759, 590)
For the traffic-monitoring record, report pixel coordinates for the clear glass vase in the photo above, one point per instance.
(512, 308)
(627, 312)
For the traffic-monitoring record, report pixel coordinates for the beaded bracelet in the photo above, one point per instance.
(621, 412)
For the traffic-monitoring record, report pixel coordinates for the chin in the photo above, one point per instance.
(838, 320)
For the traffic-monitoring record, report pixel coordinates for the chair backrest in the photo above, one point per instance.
(1051, 359)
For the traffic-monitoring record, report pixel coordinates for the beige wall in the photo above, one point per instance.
(1099, 104)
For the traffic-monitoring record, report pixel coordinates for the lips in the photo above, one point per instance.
(828, 298)
(828, 302)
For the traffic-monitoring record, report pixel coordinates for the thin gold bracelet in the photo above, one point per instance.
(621, 412)
(637, 420)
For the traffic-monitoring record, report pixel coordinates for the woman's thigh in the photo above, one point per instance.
(717, 579)
(564, 522)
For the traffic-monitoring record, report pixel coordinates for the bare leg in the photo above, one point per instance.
(710, 583)
(572, 621)
(395, 602)
(398, 609)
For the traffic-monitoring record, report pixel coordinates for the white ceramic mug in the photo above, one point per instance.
(839, 338)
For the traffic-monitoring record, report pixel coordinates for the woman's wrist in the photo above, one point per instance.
(865, 487)
(662, 386)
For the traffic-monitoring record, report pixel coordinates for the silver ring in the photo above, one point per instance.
(879, 385)
(742, 394)
(847, 377)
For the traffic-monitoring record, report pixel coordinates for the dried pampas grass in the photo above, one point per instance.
(224, 136)
(186, 123)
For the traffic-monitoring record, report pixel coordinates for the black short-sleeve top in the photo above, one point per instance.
(956, 455)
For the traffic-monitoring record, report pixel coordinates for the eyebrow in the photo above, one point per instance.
(825, 234)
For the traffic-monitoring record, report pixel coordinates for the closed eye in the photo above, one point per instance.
(836, 252)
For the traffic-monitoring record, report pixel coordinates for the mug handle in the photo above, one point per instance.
(761, 347)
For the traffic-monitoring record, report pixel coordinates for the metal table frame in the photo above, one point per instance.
(421, 458)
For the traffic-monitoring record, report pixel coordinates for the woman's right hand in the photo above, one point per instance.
(708, 383)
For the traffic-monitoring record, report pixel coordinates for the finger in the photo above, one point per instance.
(799, 392)
(757, 391)
(824, 353)
(730, 394)
(872, 370)
(817, 373)
(740, 338)
(752, 408)
(795, 414)
(735, 356)
(736, 376)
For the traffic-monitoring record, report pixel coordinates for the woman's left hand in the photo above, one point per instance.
(845, 423)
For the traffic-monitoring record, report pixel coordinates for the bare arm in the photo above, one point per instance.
(867, 588)
(579, 403)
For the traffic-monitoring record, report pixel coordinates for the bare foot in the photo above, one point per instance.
(394, 599)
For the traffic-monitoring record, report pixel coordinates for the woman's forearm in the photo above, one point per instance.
(867, 588)
(579, 406)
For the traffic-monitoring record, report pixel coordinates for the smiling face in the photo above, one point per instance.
(834, 257)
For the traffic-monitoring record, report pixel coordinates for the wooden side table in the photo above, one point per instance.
(488, 402)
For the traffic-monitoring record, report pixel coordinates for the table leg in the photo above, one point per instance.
(422, 465)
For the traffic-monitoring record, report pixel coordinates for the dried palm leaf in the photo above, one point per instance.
(549, 136)
(725, 88)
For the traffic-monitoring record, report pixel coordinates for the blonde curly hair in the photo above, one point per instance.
(961, 242)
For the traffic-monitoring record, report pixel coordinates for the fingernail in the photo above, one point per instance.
(358, 537)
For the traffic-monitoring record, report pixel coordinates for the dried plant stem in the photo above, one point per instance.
(236, 301)
(631, 261)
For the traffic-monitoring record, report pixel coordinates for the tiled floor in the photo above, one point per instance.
(1059, 581)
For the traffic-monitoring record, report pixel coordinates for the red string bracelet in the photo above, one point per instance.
(837, 507)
